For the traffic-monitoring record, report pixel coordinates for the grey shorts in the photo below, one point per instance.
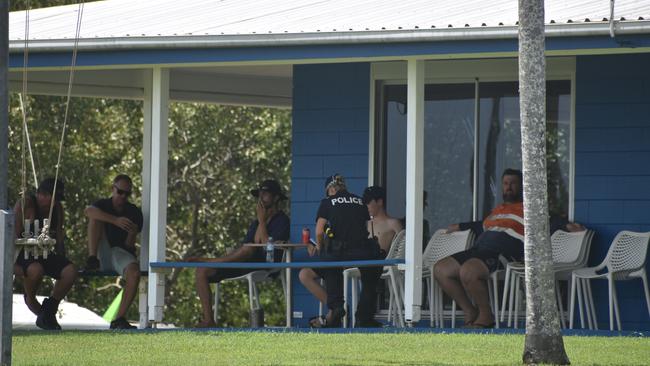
(113, 258)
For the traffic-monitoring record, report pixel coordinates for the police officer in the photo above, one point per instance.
(342, 234)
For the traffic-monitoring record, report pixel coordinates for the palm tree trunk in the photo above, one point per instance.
(543, 342)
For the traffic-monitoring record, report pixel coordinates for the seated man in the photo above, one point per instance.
(113, 225)
(270, 222)
(502, 234)
(32, 270)
(380, 226)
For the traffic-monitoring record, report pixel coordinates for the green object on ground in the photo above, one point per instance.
(110, 313)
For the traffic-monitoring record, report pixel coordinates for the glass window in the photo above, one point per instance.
(449, 147)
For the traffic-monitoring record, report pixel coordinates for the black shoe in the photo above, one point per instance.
(121, 323)
(370, 323)
(335, 319)
(92, 264)
(46, 319)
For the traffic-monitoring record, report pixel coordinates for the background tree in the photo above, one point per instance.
(544, 343)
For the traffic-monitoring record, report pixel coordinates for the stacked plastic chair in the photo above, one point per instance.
(570, 251)
(625, 260)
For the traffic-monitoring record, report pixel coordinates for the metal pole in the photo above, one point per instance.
(4, 102)
(6, 217)
(6, 281)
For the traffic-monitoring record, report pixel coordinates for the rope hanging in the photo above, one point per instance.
(35, 243)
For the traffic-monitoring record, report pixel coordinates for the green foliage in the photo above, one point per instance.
(16, 5)
(216, 155)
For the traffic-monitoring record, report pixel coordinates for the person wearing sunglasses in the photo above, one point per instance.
(113, 225)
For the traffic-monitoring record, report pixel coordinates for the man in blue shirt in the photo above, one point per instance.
(270, 222)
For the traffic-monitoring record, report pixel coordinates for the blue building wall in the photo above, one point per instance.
(612, 180)
(330, 135)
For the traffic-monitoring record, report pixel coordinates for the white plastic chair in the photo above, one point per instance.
(625, 260)
(396, 251)
(570, 251)
(253, 279)
(441, 245)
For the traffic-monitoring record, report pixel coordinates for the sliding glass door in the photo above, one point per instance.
(450, 148)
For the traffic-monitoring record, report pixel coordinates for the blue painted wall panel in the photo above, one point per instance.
(618, 139)
(610, 163)
(630, 89)
(351, 120)
(607, 187)
(612, 182)
(330, 135)
(316, 144)
(610, 116)
(308, 166)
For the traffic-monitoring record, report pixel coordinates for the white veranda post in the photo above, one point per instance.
(156, 112)
(414, 179)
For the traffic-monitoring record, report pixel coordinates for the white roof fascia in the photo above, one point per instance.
(327, 38)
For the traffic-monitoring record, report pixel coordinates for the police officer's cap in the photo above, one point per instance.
(332, 179)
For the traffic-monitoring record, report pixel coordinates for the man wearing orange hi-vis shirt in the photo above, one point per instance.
(464, 275)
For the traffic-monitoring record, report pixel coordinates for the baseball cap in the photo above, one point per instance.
(332, 179)
(271, 186)
(373, 193)
(47, 186)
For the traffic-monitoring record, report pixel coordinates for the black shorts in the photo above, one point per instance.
(258, 256)
(365, 250)
(53, 265)
(487, 256)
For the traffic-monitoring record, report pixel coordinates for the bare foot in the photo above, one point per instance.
(484, 321)
(206, 324)
(470, 317)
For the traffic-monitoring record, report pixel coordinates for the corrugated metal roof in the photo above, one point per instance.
(169, 18)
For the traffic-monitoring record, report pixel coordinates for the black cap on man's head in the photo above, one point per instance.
(47, 187)
(271, 186)
(373, 193)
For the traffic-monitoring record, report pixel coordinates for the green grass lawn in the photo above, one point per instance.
(266, 348)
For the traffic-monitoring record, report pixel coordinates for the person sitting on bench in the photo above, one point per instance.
(270, 222)
(56, 265)
(113, 225)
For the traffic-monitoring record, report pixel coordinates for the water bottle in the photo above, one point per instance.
(270, 248)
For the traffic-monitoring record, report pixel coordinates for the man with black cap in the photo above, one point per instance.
(342, 234)
(113, 226)
(381, 225)
(56, 265)
(270, 222)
